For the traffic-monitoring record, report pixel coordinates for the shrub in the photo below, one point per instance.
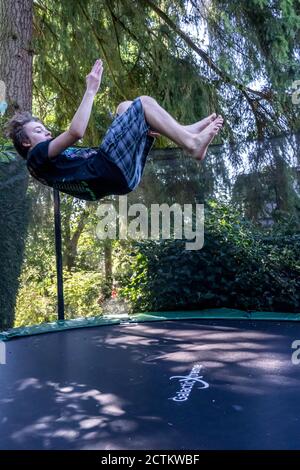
(238, 267)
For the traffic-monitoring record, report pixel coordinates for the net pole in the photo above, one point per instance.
(58, 254)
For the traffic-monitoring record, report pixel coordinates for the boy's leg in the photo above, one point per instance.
(193, 128)
(122, 107)
(165, 124)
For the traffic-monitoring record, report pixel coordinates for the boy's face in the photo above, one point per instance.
(37, 133)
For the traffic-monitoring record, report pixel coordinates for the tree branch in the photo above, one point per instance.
(128, 31)
(204, 56)
(102, 48)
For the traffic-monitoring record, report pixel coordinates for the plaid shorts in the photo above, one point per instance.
(127, 144)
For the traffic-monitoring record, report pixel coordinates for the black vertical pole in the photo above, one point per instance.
(59, 264)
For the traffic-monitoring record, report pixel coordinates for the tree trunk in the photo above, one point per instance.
(16, 73)
(16, 20)
(281, 185)
(108, 267)
(71, 241)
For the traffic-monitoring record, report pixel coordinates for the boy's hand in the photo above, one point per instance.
(154, 134)
(93, 79)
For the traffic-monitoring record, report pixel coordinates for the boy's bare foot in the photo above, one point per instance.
(202, 141)
(200, 125)
(195, 128)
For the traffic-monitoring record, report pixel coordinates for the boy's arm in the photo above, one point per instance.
(77, 127)
(81, 118)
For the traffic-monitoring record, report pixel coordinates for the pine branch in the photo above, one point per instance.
(128, 31)
(44, 8)
(49, 70)
(226, 78)
(88, 19)
(218, 29)
(115, 30)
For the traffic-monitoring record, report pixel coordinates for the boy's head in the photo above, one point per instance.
(26, 131)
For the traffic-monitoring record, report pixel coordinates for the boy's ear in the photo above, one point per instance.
(26, 143)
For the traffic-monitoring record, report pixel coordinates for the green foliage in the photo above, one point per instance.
(81, 292)
(236, 268)
(131, 275)
(37, 301)
(257, 42)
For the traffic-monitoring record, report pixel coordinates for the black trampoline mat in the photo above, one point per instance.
(234, 386)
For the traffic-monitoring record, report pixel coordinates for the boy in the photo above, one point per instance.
(117, 165)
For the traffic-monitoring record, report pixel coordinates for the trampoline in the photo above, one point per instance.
(170, 383)
(207, 380)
